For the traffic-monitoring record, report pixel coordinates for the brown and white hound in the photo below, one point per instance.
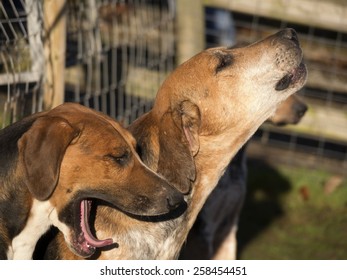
(53, 165)
(203, 113)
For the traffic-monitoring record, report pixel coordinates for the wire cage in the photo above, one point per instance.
(118, 53)
(21, 58)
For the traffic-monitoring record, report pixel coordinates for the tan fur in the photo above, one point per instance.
(203, 113)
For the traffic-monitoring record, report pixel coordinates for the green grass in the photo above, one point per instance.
(279, 223)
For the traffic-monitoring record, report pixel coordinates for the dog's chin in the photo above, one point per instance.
(294, 79)
(83, 243)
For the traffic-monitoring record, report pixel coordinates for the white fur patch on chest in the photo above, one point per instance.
(23, 245)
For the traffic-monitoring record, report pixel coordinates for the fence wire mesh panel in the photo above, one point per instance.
(21, 58)
(321, 136)
(118, 53)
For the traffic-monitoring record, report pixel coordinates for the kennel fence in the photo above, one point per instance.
(117, 53)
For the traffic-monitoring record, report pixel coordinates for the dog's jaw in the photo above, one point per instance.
(85, 244)
(88, 236)
(79, 237)
(78, 243)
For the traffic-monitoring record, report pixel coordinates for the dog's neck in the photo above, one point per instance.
(211, 162)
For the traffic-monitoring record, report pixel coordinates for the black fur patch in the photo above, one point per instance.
(9, 137)
(13, 210)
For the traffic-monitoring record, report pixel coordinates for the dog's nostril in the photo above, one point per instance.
(301, 110)
(284, 82)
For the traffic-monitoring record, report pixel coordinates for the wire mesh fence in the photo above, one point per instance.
(118, 53)
(21, 59)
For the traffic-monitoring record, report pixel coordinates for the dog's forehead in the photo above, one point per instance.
(94, 123)
(110, 128)
(231, 59)
(126, 135)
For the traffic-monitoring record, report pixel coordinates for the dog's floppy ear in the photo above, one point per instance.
(41, 150)
(179, 143)
(190, 119)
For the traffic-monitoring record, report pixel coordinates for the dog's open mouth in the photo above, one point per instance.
(85, 243)
(294, 76)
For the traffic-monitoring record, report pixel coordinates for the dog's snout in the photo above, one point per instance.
(289, 34)
(300, 109)
(175, 200)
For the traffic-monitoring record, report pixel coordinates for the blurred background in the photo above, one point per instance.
(113, 56)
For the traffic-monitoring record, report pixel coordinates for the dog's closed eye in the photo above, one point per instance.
(121, 158)
(224, 61)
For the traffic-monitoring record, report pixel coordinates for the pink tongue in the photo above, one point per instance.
(86, 230)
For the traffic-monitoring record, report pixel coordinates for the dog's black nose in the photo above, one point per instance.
(175, 200)
(289, 34)
(300, 109)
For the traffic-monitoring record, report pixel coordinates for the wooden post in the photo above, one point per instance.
(54, 46)
(332, 14)
(190, 23)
